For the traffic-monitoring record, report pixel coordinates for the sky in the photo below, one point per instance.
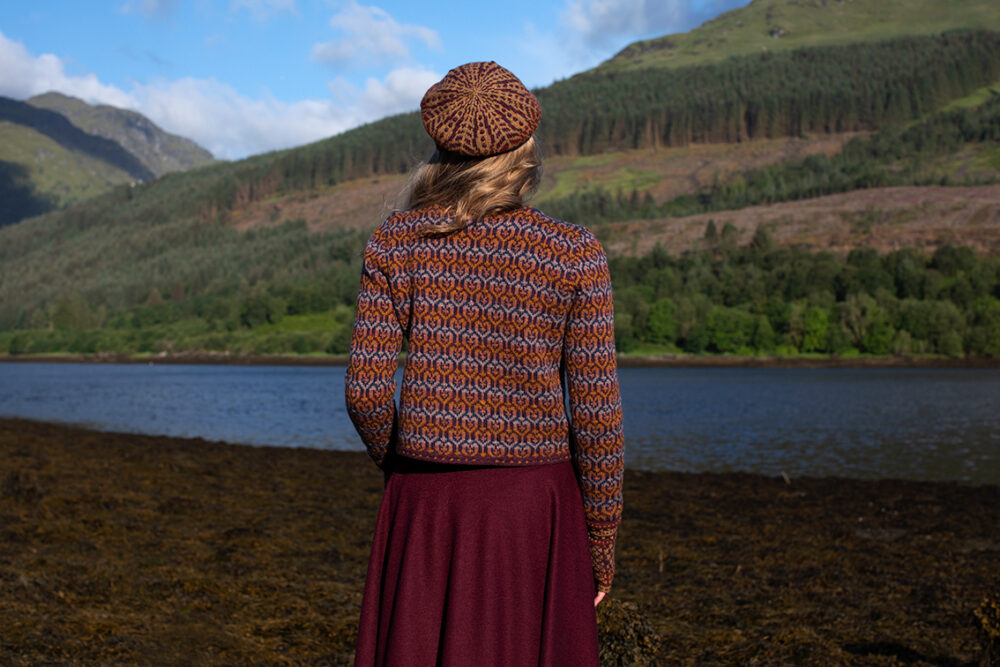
(242, 77)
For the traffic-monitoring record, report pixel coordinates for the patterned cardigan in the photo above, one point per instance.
(499, 319)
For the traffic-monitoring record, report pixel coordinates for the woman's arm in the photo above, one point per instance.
(370, 384)
(595, 407)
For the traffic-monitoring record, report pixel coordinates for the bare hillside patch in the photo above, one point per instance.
(666, 173)
(663, 173)
(882, 218)
(358, 204)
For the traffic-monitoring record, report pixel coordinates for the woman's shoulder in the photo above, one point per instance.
(401, 226)
(406, 220)
(577, 236)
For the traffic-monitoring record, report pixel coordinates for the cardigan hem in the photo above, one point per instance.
(474, 459)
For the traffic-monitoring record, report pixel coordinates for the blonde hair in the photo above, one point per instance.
(470, 188)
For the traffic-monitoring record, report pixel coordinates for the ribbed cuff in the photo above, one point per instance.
(602, 554)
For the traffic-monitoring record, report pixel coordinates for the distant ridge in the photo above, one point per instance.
(236, 245)
(58, 128)
(159, 151)
(56, 150)
(828, 89)
(782, 25)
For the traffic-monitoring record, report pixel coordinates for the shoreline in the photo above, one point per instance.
(111, 432)
(624, 361)
(122, 548)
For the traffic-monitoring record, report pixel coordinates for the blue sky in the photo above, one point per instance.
(242, 77)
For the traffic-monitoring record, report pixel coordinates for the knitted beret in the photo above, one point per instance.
(479, 109)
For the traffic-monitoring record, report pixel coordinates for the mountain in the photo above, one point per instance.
(58, 150)
(812, 91)
(777, 155)
(38, 173)
(59, 129)
(781, 25)
(160, 152)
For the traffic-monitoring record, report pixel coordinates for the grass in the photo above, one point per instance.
(309, 322)
(781, 25)
(974, 164)
(975, 98)
(566, 183)
(988, 158)
(293, 335)
(160, 153)
(67, 176)
(674, 169)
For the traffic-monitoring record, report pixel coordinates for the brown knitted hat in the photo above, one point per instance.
(479, 109)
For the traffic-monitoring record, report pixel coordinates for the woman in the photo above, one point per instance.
(494, 490)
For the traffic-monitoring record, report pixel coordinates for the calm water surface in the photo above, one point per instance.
(917, 424)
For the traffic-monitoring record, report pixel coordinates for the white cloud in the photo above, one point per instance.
(213, 113)
(150, 8)
(23, 75)
(589, 31)
(599, 22)
(371, 36)
(542, 57)
(400, 91)
(262, 10)
(231, 125)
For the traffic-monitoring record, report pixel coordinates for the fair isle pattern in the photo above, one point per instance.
(602, 555)
(479, 109)
(491, 314)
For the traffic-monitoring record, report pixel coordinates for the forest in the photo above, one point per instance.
(758, 299)
(892, 156)
(823, 89)
(157, 267)
(863, 87)
(754, 299)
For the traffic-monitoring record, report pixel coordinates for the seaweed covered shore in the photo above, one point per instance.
(122, 548)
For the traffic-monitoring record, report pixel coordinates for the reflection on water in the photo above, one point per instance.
(260, 405)
(918, 424)
(921, 424)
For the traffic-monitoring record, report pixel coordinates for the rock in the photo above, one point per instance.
(626, 636)
(988, 615)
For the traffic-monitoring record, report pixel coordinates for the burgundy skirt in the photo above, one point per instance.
(479, 566)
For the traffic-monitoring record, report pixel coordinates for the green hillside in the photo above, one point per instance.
(781, 25)
(57, 150)
(159, 151)
(822, 89)
(58, 128)
(159, 268)
(894, 156)
(56, 175)
(163, 266)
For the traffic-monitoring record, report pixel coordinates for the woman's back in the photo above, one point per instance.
(500, 495)
(486, 313)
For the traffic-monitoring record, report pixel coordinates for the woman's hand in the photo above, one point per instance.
(597, 600)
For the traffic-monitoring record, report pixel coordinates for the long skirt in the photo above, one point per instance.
(480, 566)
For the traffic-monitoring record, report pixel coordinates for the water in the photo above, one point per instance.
(865, 423)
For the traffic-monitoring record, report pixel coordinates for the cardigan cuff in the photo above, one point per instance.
(601, 538)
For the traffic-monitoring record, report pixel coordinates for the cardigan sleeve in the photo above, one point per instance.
(370, 383)
(595, 407)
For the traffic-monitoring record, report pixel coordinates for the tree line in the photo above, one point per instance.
(820, 89)
(758, 299)
(892, 156)
(721, 299)
(159, 260)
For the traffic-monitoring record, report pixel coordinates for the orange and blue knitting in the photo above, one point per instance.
(497, 317)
